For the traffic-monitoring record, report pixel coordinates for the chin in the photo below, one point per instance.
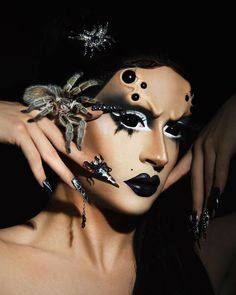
(120, 200)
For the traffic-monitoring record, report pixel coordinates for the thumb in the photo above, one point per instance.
(182, 168)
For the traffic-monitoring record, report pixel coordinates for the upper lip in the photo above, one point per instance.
(145, 179)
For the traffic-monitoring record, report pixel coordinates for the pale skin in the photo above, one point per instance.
(45, 259)
(55, 255)
(209, 159)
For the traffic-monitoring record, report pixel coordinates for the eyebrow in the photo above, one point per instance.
(118, 100)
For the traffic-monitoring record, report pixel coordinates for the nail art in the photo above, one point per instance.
(100, 169)
(76, 183)
(47, 186)
(79, 188)
(213, 202)
(204, 222)
(194, 225)
(106, 107)
(83, 216)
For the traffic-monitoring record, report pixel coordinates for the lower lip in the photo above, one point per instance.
(143, 190)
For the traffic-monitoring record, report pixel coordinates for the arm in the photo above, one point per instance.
(39, 141)
(209, 157)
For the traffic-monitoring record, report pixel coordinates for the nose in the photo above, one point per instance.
(154, 151)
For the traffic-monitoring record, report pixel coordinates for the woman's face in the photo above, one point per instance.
(140, 143)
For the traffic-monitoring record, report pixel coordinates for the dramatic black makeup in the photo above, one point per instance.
(135, 118)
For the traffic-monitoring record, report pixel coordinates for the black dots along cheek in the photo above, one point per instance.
(128, 76)
(143, 85)
(135, 96)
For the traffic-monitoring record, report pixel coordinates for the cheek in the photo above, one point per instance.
(173, 152)
(100, 138)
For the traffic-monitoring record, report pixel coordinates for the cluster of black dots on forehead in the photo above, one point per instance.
(129, 77)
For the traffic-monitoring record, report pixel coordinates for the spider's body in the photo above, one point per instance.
(96, 39)
(65, 104)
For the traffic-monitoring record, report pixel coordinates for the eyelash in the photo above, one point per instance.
(122, 118)
(119, 119)
(175, 126)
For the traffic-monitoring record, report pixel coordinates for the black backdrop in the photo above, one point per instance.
(200, 39)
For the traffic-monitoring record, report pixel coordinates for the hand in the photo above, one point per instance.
(209, 157)
(39, 141)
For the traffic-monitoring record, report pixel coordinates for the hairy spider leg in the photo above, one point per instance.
(84, 85)
(37, 103)
(45, 111)
(71, 82)
(69, 134)
(80, 129)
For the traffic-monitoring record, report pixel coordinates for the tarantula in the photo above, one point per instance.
(65, 104)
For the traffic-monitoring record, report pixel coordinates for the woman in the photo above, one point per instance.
(117, 242)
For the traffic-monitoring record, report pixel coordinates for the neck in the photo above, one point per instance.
(106, 238)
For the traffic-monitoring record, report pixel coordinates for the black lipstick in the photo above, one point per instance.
(143, 184)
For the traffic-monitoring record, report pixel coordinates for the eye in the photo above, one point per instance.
(128, 76)
(174, 129)
(132, 120)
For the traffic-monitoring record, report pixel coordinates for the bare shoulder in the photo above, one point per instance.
(218, 252)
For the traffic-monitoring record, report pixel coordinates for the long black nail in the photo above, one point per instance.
(76, 183)
(47, 186)
(100, 169)
(194, 226)
(204, 223)
(213, 202)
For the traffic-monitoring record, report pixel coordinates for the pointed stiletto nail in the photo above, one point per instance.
(213, 202)
(194, 226)
(204, 223)
(47, 186)
(99, 169)
(76, 183)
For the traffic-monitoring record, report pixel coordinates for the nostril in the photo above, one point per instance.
(158, 169)
(155, 167)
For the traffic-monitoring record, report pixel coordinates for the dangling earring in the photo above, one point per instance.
(79, 188)
(83, 221)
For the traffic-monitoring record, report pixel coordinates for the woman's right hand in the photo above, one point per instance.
(39, 141)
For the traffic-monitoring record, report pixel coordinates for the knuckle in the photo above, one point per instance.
(197, 146)
(50, 155)
(20, 127)
(207, 145)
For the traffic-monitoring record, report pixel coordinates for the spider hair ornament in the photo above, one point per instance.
(95, 40)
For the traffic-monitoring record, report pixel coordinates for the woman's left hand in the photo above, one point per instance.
(209, 157)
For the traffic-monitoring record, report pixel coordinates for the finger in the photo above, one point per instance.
(94, 114)
(50, 155)
(55, 136)
(209, 168)
(179, 170)
(33, 157)
(221, 170)
(197, 178)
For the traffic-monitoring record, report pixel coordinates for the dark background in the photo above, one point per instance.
(200, 39)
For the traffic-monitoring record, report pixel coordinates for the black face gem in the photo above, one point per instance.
(128, 76)
(135, 96)
(144, 85)
(187, 97)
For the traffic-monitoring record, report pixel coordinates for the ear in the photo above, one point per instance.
(182, 168)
